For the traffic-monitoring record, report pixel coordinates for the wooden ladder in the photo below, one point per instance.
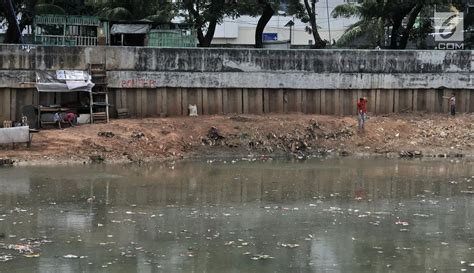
(99, 97)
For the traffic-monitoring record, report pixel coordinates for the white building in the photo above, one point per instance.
(241, 31)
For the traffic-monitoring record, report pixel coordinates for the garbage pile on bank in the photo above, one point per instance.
(306, 140)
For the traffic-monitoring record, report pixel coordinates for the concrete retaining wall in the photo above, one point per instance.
(151, 81)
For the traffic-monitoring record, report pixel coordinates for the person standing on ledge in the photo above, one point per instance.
(362, 111)
(452, 104)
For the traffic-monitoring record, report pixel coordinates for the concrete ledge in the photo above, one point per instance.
(275, 80)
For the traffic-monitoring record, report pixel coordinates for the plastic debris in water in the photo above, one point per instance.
(403, 223)
(21, 248)
(289, 245)
(261, 257)
(6, 258)
(229, 243)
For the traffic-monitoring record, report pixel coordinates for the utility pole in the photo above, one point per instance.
(329, 24)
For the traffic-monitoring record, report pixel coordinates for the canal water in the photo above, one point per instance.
(319, 215)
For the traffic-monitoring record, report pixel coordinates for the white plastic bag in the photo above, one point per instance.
(193, 112)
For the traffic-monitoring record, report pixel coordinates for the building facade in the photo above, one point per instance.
(241, 31)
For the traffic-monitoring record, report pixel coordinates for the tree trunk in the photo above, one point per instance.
(12, 35)
(262, 23)
(311, 10)
(411, 22)
(205, 40)
(28, 14)
(398, 14)
(397, 23)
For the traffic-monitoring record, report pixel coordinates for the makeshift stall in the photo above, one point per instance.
(129, 34)
(61, 81)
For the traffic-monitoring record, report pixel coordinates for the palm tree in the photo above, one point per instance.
(377, 15)
(371, 24)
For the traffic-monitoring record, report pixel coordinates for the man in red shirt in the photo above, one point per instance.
(362, 111)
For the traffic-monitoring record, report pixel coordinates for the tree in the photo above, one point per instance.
(311, 13)
(28, 8)
(371, 24)
(13, 33)
(122, 10)
(267, 14)
(398, 12)
(376, 15)
(205, 15)
(266, 9)
(306, 13)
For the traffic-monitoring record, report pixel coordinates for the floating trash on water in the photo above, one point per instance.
(21, 248)
(261, 257)
(421, 215)
(288, 245)
(32, 255)
(403, 223)
(6, 258)
(70, 256)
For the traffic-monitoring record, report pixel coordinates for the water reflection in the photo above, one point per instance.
(338, 215)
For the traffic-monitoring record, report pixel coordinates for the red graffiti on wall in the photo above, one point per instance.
(139, 83)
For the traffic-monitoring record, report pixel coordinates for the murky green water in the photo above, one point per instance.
(333, 215)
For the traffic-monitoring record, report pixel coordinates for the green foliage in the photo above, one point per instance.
(49, 9)
(152, 10)
(255, 7)
(370, 26)
(407, 19)
(71, 7)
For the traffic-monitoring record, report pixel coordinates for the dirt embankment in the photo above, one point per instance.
(300, 135)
